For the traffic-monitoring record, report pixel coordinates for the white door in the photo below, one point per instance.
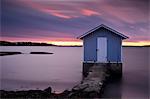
(101, 49)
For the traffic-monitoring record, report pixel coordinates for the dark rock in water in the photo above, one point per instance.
(40, 53)
(9, 53)
(48, 90)
(66, 92)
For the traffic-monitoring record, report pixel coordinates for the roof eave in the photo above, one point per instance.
(82, 36)
(104, 26)
(126, 37)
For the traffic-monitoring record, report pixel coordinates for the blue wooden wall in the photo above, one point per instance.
(114, 43)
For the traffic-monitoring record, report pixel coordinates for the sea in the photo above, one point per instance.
(62, 70)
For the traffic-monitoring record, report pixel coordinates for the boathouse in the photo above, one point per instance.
(102, 44)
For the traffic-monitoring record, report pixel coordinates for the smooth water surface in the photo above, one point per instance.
(63, 70)
(136, 76)
(135, 81)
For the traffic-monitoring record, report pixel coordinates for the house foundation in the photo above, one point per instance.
(113, 69)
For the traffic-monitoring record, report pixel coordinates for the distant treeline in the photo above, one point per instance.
(6, 43)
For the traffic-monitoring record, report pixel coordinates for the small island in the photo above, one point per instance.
(9, 53)
(40, 53)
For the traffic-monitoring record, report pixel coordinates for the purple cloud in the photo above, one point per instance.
(64, 18)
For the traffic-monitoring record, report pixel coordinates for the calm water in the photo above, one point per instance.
(135, 81)
(136, 76)
(63, 70)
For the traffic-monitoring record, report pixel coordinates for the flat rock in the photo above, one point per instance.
(40, 53)
(3, 53)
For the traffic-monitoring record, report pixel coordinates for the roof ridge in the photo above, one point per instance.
(104, 26)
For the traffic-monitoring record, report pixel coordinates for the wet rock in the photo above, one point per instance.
(40, 53)
(46, 93)
(80, 86)
(48, 90)
(91, 86)
(9, 53)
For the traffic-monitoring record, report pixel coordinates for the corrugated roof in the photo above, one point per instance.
(104, 26)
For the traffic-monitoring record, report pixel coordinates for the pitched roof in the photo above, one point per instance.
(104, 26)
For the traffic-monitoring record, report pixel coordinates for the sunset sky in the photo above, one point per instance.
(61, 21)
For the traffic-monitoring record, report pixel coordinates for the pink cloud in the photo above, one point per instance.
(88, 12)
(61, 15)
(48, 8)
(70, 9)
(42, 39)
(127, 14)
(139, 38)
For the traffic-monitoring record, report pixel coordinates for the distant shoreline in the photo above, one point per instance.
(7, 43)
(66, 46)
(137, 46)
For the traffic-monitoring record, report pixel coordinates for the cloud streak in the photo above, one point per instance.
(69, 19)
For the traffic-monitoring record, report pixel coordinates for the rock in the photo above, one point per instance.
(48, 90)
(80, 86)
(40, 53)
(91, 86)
(9, 53)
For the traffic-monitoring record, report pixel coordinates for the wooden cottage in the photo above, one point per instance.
(102, 45)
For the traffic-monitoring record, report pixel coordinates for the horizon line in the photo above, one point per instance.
(80, 43)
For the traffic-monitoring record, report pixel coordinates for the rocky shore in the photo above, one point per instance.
(32, 94)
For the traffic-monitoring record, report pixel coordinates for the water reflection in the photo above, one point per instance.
(135, 82)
